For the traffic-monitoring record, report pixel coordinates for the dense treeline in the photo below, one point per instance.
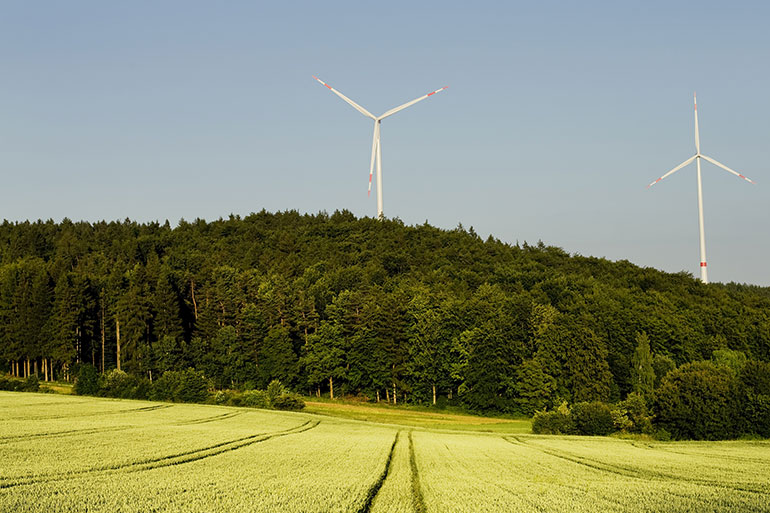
(339, 305)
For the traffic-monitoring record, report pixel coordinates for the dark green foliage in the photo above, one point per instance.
(29, 384)
(274, 390)
(593, 419)
(661, 365)
(636, 412)
(87, 382)
(699, 401)
(642, 372)
(277, 359)
(419, 312)
(586, 369)
(8, 383)
(557, 422)
(755, 383)
(255, 399)
(291, 402)
(187, 386)
(122, 385)
(534, 387)
(733, 360)
(276, 397)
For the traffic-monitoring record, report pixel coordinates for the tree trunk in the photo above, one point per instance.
(195, 304)
(101, 323)
(450, 393)
(318, 391)
(378, 396)
(395, 398)
(117, 331)
(35, 366)
(331, 388)
(434, 395)
(387, 394)
(77, 354)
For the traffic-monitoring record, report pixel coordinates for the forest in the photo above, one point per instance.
(337, 305)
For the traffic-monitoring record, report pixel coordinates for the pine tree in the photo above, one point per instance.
(642, 373)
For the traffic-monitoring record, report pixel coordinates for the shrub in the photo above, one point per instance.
(11, 384)
(187, 386)
(699, 401)
(594, 418)
(87, 381)
(117, 383)
(30, 384)
(274, 389)
(255, 399)
(142, 389)
(165, 387)
(291, 402)
(194, 387)
(222, 397)
(634, 410)
(558, 422)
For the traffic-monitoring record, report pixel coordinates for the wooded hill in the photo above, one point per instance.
(324, 302)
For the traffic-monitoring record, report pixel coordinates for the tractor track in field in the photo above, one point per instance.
(48, 403)
(165, 461)
(59, 434)
(375, 488)
(418, 501)
(578, 490)
(666, 450)
(215, 418)
(100, 413)
(650, 475)
(92, 431)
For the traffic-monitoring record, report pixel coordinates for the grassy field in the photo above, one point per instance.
(418, 417)
(68, 453)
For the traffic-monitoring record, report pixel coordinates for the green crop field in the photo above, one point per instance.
(68, 453)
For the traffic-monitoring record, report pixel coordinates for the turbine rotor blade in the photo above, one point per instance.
(375, 143)
(677, 168)
(409, 104)
(728, 169)
(348, 100)
(697, 134)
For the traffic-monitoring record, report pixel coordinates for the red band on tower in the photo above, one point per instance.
(703, 264)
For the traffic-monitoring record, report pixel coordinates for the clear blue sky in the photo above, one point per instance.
(557, 116)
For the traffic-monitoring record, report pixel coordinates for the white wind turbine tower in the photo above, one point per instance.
(376, 147)
(697, 158)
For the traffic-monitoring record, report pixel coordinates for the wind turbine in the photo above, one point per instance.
(697, 158)
(376, 147)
